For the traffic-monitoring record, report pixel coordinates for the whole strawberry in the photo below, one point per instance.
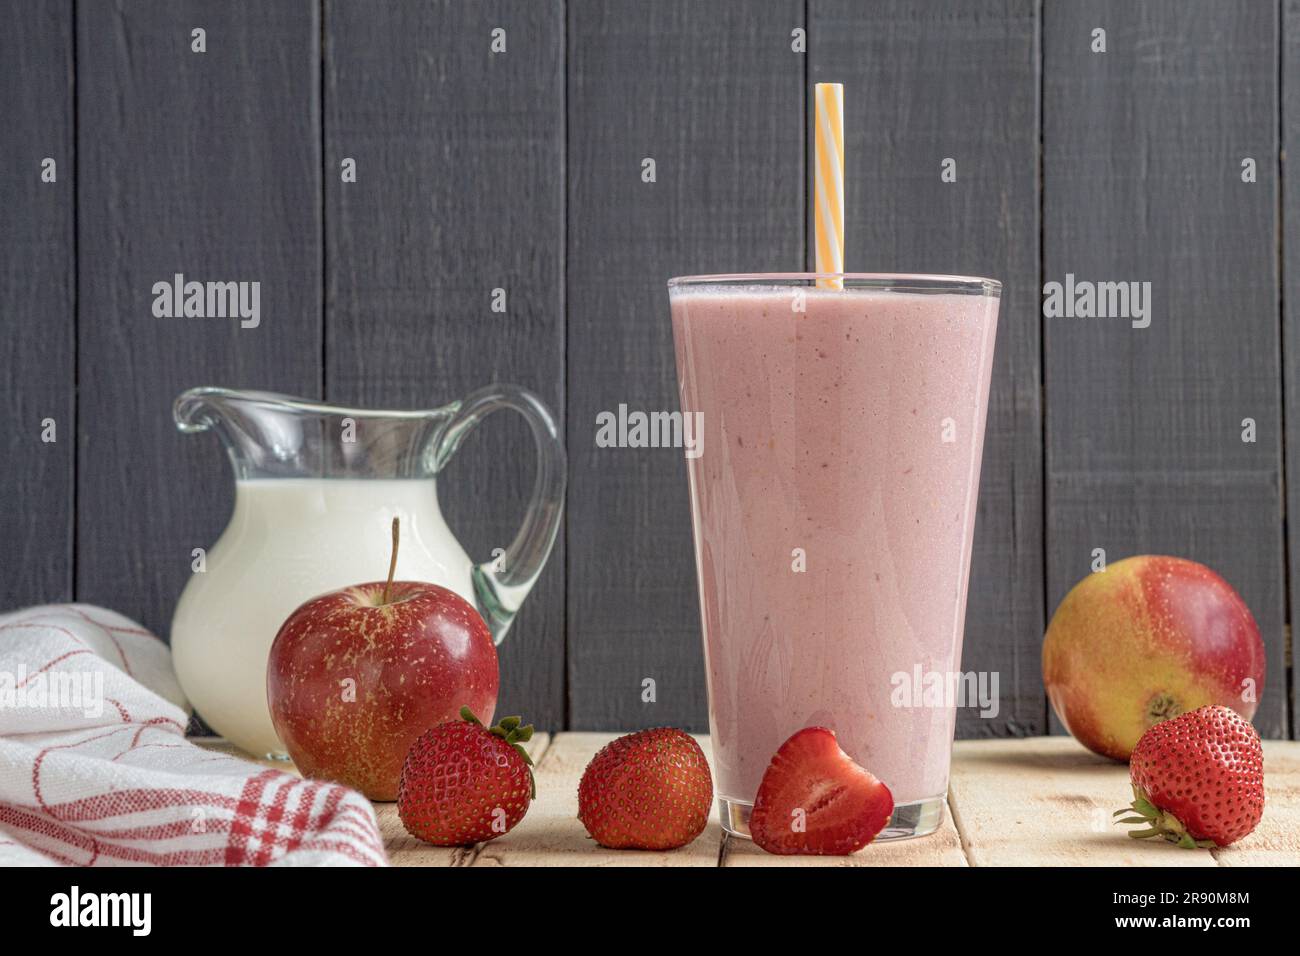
(1198, 779)
(464, 783)
(650, 790)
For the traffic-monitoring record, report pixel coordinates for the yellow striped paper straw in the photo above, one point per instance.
(829, 179)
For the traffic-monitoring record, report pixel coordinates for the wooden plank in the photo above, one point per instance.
(1142, 168)
(957, 80)
(552, 834)
(728, 158)
(1048, 802)
(206, 164)
(1044, 801)
(37, 300)
(459, 191)
(1291, 319)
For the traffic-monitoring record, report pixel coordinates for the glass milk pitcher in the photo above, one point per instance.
(316, 490)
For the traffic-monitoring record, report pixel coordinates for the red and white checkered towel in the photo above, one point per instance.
(95, 768)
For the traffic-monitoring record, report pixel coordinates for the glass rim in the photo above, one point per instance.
(880, 281)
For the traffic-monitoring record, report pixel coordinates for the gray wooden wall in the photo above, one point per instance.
(522, 171)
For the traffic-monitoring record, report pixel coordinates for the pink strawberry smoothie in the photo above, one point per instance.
(833, 506)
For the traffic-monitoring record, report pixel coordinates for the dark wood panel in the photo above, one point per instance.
(713, 93)
(206, 164)
(459, 191)
(956, 80)
(210, 164)
(37, 289)
(1143, 146)
(1291, 323)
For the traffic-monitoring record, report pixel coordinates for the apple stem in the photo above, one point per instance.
(392, 563)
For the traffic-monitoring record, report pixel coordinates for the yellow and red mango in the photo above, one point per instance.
(1150, 637)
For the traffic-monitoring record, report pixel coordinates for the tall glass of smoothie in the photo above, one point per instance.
(833, 502)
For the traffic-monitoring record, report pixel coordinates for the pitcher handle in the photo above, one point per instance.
(500, 585)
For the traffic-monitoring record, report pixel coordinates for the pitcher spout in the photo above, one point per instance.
(269, 435)
(199, 409)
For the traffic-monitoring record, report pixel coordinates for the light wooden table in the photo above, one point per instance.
(1044, 801)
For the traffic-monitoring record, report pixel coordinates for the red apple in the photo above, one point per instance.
(1148, 638)
(356, 675)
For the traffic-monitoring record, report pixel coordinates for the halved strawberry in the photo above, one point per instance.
(815, 799)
